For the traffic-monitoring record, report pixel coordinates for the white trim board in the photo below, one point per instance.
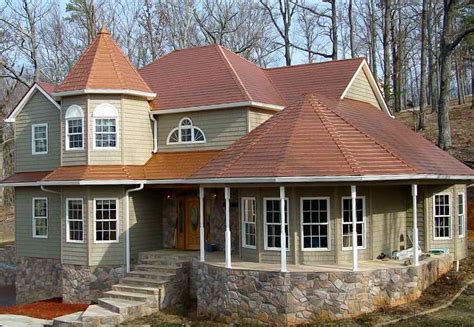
(26, 98)
(148, 95)
(253, 104)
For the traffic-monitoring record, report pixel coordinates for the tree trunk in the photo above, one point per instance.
(386, 50)
(334, 29)
(351, 30)
(373, 37)
(424, 18)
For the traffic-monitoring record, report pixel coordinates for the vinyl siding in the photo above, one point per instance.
(107, 253)
(38, 110)
(257, 117)
(137, 131)
(25, 244)
(221, 128)
(74, 157)
(361, 90)
(145, 221)
(76, 253)
(420, 217)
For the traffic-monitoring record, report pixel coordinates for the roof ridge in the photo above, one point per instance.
(234, 74)
(314, 63)
(382, 146)
(351, 161)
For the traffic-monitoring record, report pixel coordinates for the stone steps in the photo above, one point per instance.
(132, 296)
(136, 289)
(158, 275)
(162, 268)
(165, 262)
(148, 282)
(96, 315)
(127, 308)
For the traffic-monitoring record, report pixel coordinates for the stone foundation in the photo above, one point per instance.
(85, 284)
(8, 261)
(244, 296)
(37, 279)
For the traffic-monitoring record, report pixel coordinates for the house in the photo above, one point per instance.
(200, 150)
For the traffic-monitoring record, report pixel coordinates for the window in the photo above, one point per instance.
(186, 133)
(315, 223)
(442, 216)
(40, 217)
(106, 220)
(249, 223)
(105, 127)
(74, 128)
(39, 139)
(347, 222)
(273, 224)
(75, 220)
(461, 215)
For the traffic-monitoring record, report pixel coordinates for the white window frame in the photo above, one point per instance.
(364, 222)
(450, 217)
(34, 218)
(180, 128)
(33, 139)
(117, 221)
(67, 119)
(68, 220)
(105, 111)
(462, 217)
(245, 222)
(265, 240)
(302, 223)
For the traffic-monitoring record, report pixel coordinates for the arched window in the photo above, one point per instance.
(186, 133)
(105, 126)
(74, 128)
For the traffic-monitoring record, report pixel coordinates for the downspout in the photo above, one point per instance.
(127, 224)
(155, 132)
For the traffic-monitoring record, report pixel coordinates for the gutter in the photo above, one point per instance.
(254, 104)
(127, 224)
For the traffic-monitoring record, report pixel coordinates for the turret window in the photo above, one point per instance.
(185, 133)
(74, 128)
(105, 127)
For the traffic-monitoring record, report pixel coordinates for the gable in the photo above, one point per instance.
(361, 90)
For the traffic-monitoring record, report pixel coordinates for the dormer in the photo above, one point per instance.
(105, 111)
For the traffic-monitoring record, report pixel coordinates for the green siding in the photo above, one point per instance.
(26, 245)
(74, 157)
(221, 127)
(37, 111)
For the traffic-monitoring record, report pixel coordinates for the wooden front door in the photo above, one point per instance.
(188, 223)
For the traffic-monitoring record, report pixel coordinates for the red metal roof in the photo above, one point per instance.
(331, 137)
(28, 177)
(103, 66)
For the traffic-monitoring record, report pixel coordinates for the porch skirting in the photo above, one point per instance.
(251, 296)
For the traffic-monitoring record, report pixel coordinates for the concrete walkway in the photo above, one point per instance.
(22, 321)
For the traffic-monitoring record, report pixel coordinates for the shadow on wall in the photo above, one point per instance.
(7, 224)
(470, 208)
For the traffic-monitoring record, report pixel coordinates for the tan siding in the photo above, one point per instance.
(257, 117)
(26, 245)
(137, 131)
(74, 157)
(75, 253)
(37, 111)
(221, 127)
(101, 156)
(145, 221)
(107, 253)
(361, 90)
(420, 217)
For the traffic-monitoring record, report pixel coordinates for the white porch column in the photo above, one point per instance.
(201, 224)
(228, 260)
(414, 193)
(283, 232)
(355, 260)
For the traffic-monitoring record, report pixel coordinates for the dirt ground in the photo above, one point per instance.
(47, 309)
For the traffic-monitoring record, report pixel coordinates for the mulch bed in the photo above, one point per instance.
(46, 309)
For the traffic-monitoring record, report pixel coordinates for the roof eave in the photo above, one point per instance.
(254, 104)
(147, 95)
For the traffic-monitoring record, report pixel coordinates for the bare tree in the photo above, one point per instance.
(387, 26)
(422, 101)
(351, 29)
(84, 14)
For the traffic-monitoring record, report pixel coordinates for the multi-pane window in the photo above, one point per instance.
(442, 216)
(461, 215)
(186, 133)
(40, 217)
(249, 223)
(39, 138)
(347, 222)
(272, 215)
(315, 223)
(105, 133)
(106, 220)
(75, 220)
(74, 128)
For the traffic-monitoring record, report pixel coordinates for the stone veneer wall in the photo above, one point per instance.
(245, 296)
(84, 284)
(37, 279)
(8, 261)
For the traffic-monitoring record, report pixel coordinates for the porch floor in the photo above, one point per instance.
(218, 259)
